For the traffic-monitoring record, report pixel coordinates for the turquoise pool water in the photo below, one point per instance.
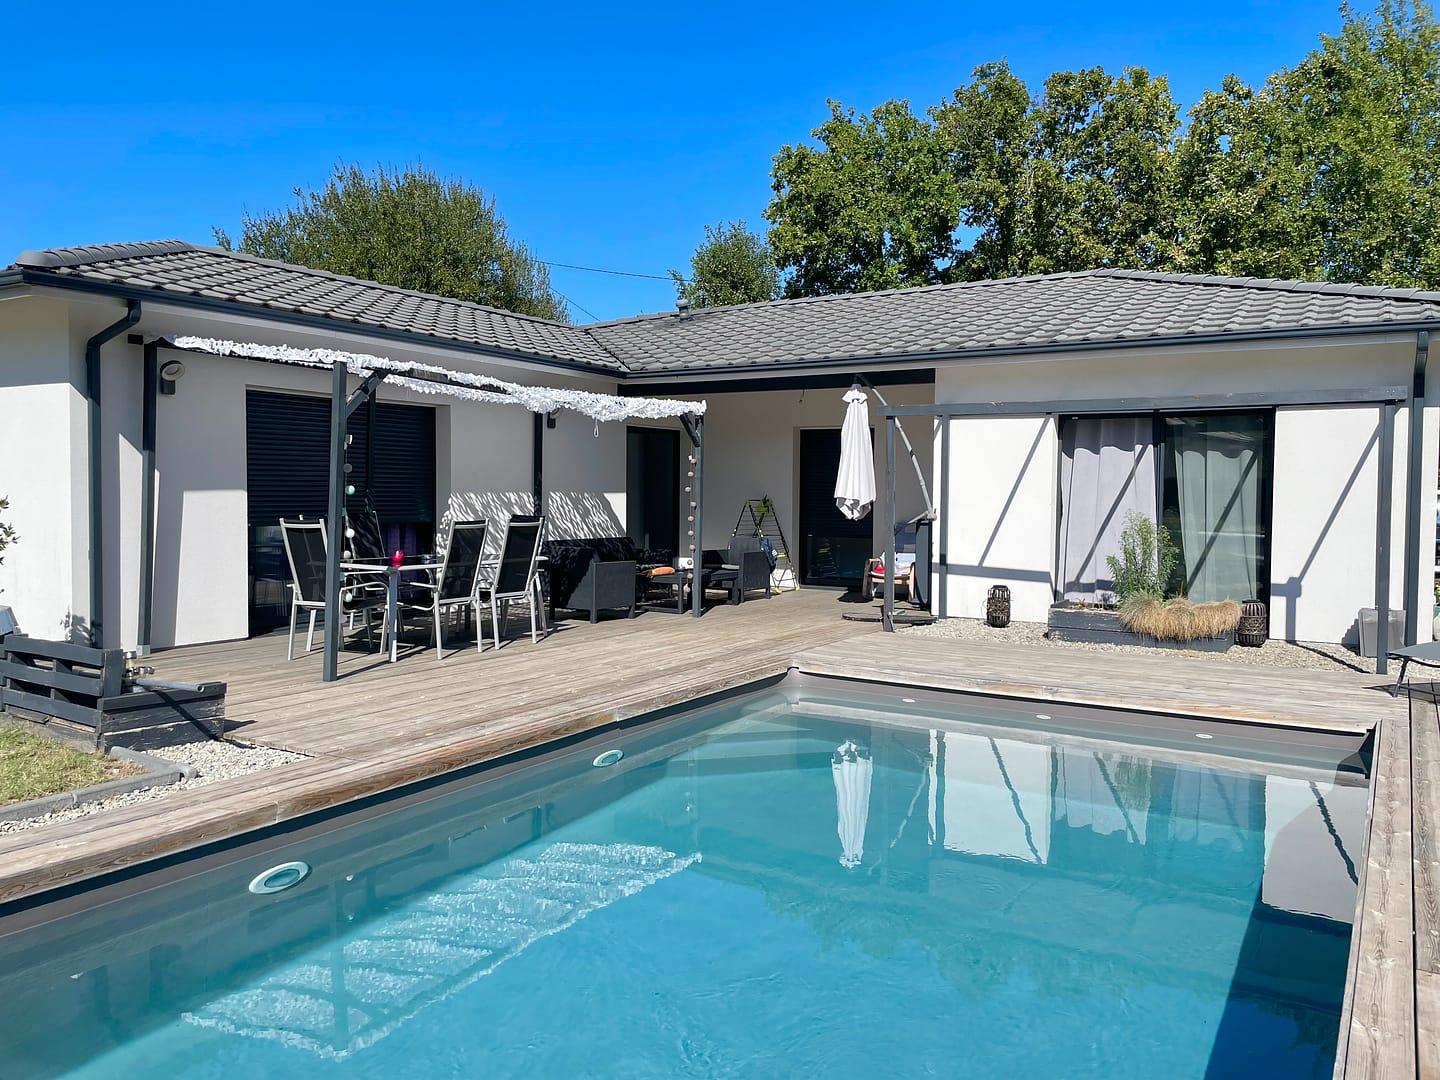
(807, 880)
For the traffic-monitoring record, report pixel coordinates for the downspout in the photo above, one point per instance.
(1415, 474)
(96, 467)
(150, 391)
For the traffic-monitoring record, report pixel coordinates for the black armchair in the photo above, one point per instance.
(741, 569)
(592, 575)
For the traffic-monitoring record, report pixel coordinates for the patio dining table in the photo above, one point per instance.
(392, 574)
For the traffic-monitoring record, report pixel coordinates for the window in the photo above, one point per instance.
(1207, 473)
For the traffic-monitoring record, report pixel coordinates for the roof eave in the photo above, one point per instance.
(922, 359)
(118, 290)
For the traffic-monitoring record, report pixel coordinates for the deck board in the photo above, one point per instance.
(1378, 1036)
(1339, 701)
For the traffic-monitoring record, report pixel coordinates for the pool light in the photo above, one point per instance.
(1203, 735)
(279, 878)
(609, 757)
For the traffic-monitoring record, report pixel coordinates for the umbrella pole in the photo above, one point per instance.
(915, 461)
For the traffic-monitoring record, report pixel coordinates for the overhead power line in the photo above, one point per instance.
(616, 273)
(573, 304)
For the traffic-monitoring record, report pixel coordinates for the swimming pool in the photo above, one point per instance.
(813, 877)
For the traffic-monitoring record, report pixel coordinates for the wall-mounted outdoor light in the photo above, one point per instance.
(170, 373)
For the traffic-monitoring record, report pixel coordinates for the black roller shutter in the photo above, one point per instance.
(287, 475)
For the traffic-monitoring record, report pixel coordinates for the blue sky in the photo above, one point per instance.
(609, 134)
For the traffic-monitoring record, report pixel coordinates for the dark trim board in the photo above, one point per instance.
(840, 380)
(1373, 395)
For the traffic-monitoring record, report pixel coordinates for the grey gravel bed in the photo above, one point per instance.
(216, 761)
(1275, 654)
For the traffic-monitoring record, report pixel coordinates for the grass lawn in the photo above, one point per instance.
(32, 766)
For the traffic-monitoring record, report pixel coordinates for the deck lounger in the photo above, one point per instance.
(1428, 653)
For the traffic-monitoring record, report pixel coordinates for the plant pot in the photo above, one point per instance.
(1068, 622)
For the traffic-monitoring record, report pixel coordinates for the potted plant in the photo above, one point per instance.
(1143, 613)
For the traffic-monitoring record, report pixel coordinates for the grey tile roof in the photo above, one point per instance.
(1052, 310)
(1056, 310)
(176, 267)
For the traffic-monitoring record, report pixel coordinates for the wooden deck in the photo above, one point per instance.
(383, 725)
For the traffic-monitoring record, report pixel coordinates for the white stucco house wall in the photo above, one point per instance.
(1307, 364)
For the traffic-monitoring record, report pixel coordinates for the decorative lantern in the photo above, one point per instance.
(997, 606)
(1254, 625)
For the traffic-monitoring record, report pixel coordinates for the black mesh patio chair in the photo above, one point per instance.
(457, 581)
(306, 551)
(364, 542)
(514, 576)
(364, 539)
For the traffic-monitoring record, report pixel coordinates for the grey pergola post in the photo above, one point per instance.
(342, 404)
(1415, 542)
(1384, 494)
(888, 614)
(333, 528)
(695, 506)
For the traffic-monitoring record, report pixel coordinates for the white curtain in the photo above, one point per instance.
(1107, 469)
(1217, 472)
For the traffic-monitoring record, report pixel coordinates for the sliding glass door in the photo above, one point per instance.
(1205, 476)
(1216, 500)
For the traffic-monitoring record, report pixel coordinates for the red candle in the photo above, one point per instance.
(398, 559)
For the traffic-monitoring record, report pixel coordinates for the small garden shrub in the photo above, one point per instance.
(1178, 619)
(1146, 560)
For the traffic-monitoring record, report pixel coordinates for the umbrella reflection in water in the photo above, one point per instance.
(851, 768)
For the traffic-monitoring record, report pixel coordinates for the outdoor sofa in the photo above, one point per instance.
(594, 574)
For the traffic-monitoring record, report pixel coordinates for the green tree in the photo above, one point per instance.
(408, 228)
(875, 207)
(1103, 188)
(1330, 169)
(987, 131)
(1081, 178)
(731, 266)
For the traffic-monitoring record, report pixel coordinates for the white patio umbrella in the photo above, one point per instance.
(851, 769)
(855, 485)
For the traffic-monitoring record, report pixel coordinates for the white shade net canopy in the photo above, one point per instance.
(855, 484)
(433, 379)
